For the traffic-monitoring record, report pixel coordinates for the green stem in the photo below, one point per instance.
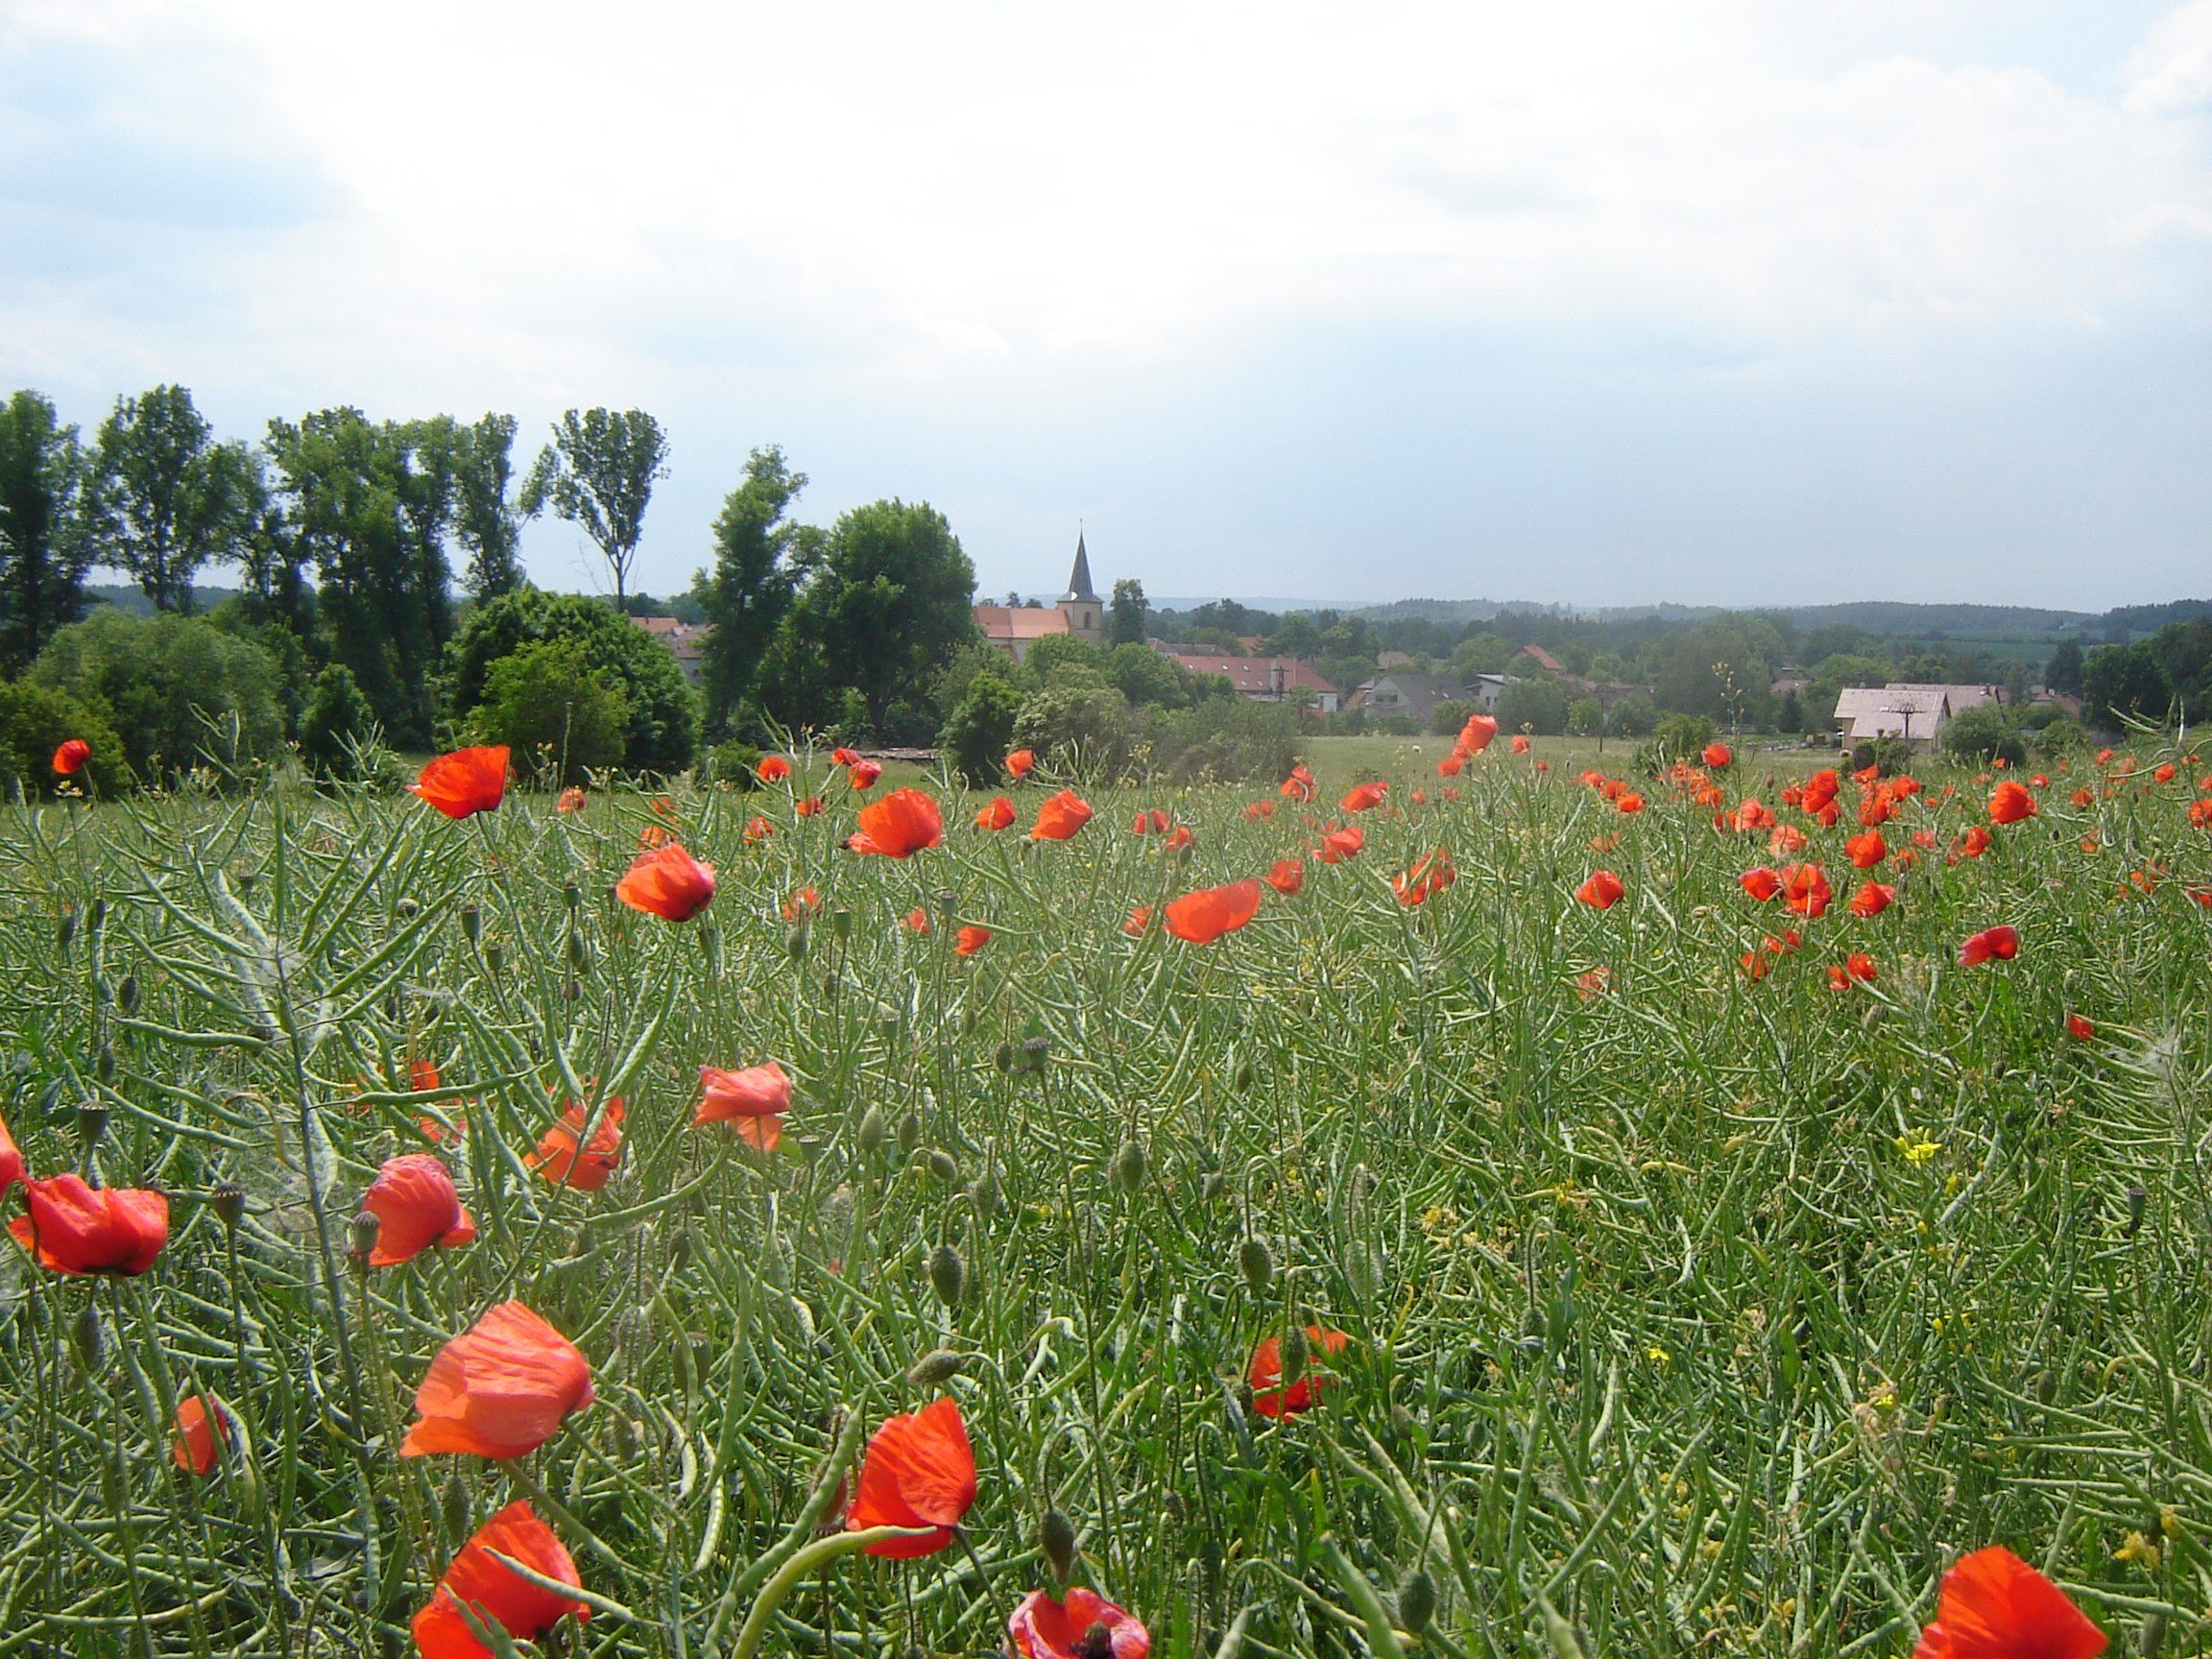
(820, 1553)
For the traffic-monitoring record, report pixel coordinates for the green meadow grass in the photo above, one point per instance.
(1688, 1313)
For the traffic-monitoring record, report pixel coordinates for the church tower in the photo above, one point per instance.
(1086, 619)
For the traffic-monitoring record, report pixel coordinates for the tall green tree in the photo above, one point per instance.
(2063, 672)
(488, 517)
(2122, 682)
(1125, 623)
(599, 472)
(166, 499)
(43, 550)
(759, 558)
(890, 603)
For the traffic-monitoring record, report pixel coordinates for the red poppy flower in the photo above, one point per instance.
(1450, 766)
(496, 1596)
(899, 826)
(413, 1196)
(1338, 845)
(774, 769)
(1866, 849)
(1018, 763)
(73, 1228)
(2165, 773)
(2001, 943)
(1761, 882)
(918, 921)
(1085, 1626)
(588, 1170)
(1805, 890)
(758, 828)
(1202, 917)
(500, 1390)
(1475, 737)
(464, 782)
(862, 774)
(1752, 813)
(69, 759)
(1519, 744)
(201, 1421)
(11, 1162)
(1717, 756)
(1820, 790)
(1178, 838)
(1287, 876)
(996, 816)
(808, 807)
(1420, 797)
(1429, 877)
(2081, 1030)
(1061, 817)
(1996, 1606)
(919, 1471)
(1871, 900)
(2009, 803)
(571, 800)
(1269, 1397)
(2082, 798)
(1591, 984)
(1258, 810)
(1787, 838)
(1364, 797)
(667, 883)
(844, 757)
(752, 1101)
(1139, 919)
(1628, 801)
(1975, 842)
(1148, 823)
(1857, 966)
(972, 939)
(1299, 786)
(1602, 891)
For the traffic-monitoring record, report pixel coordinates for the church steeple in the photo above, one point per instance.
(1079, 578)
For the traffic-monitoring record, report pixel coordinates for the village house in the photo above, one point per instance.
(1080, 613)
(1263, 678)
(1414, 697)
(1916, 713)
(687, 640)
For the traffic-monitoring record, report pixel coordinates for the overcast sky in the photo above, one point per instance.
(1600, 300)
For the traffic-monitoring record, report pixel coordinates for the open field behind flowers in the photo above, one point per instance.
(1458, 1252)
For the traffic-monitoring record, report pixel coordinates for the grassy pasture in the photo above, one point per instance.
(1689, 1312)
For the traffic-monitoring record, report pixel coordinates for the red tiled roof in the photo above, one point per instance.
(1004, 622)
(1255, 676)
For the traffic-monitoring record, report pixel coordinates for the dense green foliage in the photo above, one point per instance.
(34, 721)
(166, 499)
(559, 714)
(44, 552)
(177, 690)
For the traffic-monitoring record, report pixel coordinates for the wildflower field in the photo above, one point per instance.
(1473, 1208)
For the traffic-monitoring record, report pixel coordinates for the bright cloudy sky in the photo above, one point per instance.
(1599, 301)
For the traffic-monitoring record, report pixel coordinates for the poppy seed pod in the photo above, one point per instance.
(1416, 1601)
(578, 952)
(495, 957)
(795, 941)
(456, 1508)
(104, 1064)
(872, 1131)
(572, 893)
(127, 993)
(571, 990)
(841, 924)
(909, 1134)
(1129, 1166)
(471, 922)
(88, 1339)
(229, 1199)
(944, 1165)
(91, 1122)
(408, 910)
(1034, 1052)
(1002, 1057)
(66, 930)
(1297, 1351)
(99, 915)
(362, 1234)
(1056, 1543)
(2137, 1198)
(947, 1274)
(1257, 1262)
(938, 1365)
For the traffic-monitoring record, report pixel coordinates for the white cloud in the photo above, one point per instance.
(2173, 71)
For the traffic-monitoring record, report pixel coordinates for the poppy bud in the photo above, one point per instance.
(938, 1365)
(680, 1249)
(92, 1123)
(984, 1195)
(1129, 1164)
(127, 993)
(627, 1441)
(1033, 1053)
(88, 1338)
(471, 922)
(578, 952)
(872, 1131)
(1257, 1262)
(841, 924)
(99, 915)
(573, 893)
(229, 1200)
(456, 1508)
(795, 941)
(66, 930)
(1416, 1601)
(2151, 1635)
(1297, 1351)
(408, 910)
(2136, 1199)
(1002, 1057)
(366, 1225)
(947, 1274)
(571, 991)
(495, 957)
(944, 1165)
(1056, 1543)
(104, 1064)
(829, 986)
(909, 1134)
(1212, 1185)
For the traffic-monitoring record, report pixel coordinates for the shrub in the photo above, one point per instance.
(1585, 717)
(1634, 715)
(1982, 734)
(337, 730)
(663, 732)
(1082, 729)
(1143, 676)
(1224, 739)
(980, 731)
(164, 680)
(34, 722)
(1681, 737)
(1538, 706)
(557, 712)
(733, 763)
(1888, 755)
(1449, 715)
(2062, 737)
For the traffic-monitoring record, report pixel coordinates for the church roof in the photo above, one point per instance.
(1079, 577)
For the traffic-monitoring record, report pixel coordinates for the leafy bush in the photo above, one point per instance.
(1585, 717)
(1058, 650)
(1449, 715)
(733, 763)
(161, 679)
(33, 723)
(1888, 755)
(1082, 729)
(2062, 737)
(1681, 737)
(338, 733)
(1538, 706)
(1982, 734)
(1635, 716)
(980, 731)
(559, 713)
(1143, 676)
(662, 734)
(1224, 739)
